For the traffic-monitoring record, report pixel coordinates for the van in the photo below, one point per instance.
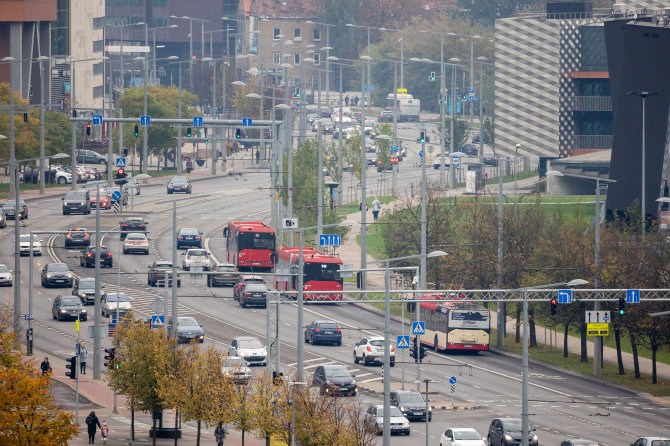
(77, 201)
(90, 157)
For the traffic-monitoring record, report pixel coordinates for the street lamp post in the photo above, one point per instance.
(472, 57)
(293, 384)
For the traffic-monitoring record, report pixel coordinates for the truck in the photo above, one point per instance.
(406, 106)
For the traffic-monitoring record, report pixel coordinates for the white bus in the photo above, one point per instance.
(408, 108)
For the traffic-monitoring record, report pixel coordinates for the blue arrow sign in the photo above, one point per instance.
(197, 121)
(418, 328)
(633, 296)
(247, 122)
(120, 162)
(116, 195)
(330, 240)
(369, 87)
(564, 296)
(452, 380)
(456, 161)
(420, 153)
(145, 120)
(403, 342)
(97, 119)
(157, 319)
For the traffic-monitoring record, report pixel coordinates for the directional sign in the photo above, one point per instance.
(369, 87)
(197, 121)
(403, 342)
(632, 296)
(120, 162)
(597, 329)
(402, 91)
(452, 380)
(116, 195)
(564, 296)
(97, 119)
(112, 319)
(418, 328)
(471, 90)
(247, 122)
(597, 317)
(456, 161)
(330, 240)
(157, 320)
(29, 317)
(145, 120)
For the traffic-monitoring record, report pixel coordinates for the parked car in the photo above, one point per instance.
(334, 379)
(248, 348)
(6, 278)
(25, 245)
(124, 195)
(179, 184)
(236, 369)
(110, 302)
(132, 224)
(371, 349)
(507, 432)
(68, 307)
(9, 209)
(56, 274)
(241, 283)
(411, 404)
(253, 294)
(375, 416)
(461, 436)
(77, 201)
(77, 237)
(323, 331)
(584, 442)
(189, 238)
(136, 242)
(195, 258)
(385, 116)
(87, 257)
(188, 330)
(223, 274)
(105, 199)
(90, 157)
(157, 270)
(84, 288)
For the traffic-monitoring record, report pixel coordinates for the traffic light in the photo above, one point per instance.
(125, 151)
(423, 352)
(110, 354)
(554, 302)
(206, 139)
(188, 132)
(413, 350)
(192, 59)
(88, 129)
(422, 137)
(622, 306)
(238, 133)
(71, 368)
(137, 130)
(121, 173)
(297, 92)
(432, 76)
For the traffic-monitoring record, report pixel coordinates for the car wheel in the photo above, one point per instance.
(365, 360)
(338, 343)
(53, 316)
(125, 251)
(355, 358)
(306, 339)
(85, 318)
(61, 180)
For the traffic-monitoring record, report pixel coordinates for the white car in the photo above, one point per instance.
(461, 436)
(194, 258)
(110, 302)
(24, 245)
(236, 369)
(399, 424)
(248, 348)
(371, 349)
(136, 242)
(6, 278)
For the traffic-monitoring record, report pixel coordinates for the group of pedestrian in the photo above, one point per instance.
(93, 424)
(354, 101)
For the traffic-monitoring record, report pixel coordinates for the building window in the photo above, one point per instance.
(296, 58)
(98, 22)
(317, 58)
(97, 92)
(97, 68)
(276, 58)
(297, 34)
(276, 32)
(97, 46)
(317, 34)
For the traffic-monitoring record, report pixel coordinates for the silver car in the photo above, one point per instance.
(6, 278)
(248, 348)
(399, 424)
(236, 369)
(24, 245)
(110, 302)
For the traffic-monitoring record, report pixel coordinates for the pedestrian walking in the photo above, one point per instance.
(220, 434)
(376, 207)
(93, 423)
(189, 165)
(346, 101)
(46, 367)
(104, 431)
(83, 357)
(258, 156)
(356, 99)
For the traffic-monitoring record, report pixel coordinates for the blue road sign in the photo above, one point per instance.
(120, 162)
(157, 319)
(420, 153)
(403, 342)
(418, 328)
(452, 380)
(247, 122)
(632, 296)
(197, 121)
(145, 120)
(394, 148)
(330, 240)
(116, 195)
(564, 296)
(369, 87)
(471, 90)
(97, 120)
(29, 317)
(456, 161)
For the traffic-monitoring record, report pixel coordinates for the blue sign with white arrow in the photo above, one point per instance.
(197, 121)
(403, 342)
(97, 119)
(330, 240)
(564, 296)
(145, 120)
(369, 87)
(247, 122)
(418, 328)
(632, 296)
(456, 161)
(452, 380)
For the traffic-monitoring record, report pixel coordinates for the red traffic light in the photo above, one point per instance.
(121, 171)
(554, 301)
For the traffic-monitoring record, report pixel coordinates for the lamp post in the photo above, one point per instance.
(190, 43)
(154, 48)
(472, 58)
(293, 384)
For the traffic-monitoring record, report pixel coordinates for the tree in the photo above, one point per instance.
(242, 409)
(488, 132)
(384, 145)
(460, 133)
(267, 396)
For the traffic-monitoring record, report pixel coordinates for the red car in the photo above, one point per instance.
(242, 281)
(105, 200)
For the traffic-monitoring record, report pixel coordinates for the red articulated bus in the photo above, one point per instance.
(250, 245)
(322, 273)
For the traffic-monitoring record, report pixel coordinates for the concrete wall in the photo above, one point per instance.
(82, 36)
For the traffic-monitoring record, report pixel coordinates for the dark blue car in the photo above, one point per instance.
(189, 238)
(323, 332)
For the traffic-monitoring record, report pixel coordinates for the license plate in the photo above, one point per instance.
(60, 280)
(468, 346)
(327, 332)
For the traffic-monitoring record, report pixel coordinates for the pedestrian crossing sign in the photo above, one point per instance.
(418, 328)
(157, 320)
(403, 342)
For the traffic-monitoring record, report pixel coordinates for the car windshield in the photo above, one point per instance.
(255, 287)
(180, 180)
(163, 265)
(410, 398)
(328, 325)
(189, 231)
(253, 280)
(136, 237)
(77, 234)
(395, 412)
(75, 196)
(26, 238)
(377, 342)
(337, 373)
(134, 221)
(225, 269)
(58, 268)
(234, 362)
(115, 297)
(71, 301)
(467, 435)
(4, 269)
(187, 322)
(88, 284)
(512, 425)
(197, 252)
(249, 343)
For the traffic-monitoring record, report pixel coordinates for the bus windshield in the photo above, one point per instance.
(322, 271)
(254, 240)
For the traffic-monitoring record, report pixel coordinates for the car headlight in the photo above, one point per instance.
(534, 437)
(402, 409)
(508, 437)
(405, 424)
(430, 409)
(49, 275)
(69, 275)
(83, 310)
(63, 311)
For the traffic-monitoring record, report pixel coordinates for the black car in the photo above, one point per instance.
(334, 379)
(507, 432)
(56, 274)
(77, 237)
(254, 294)
(411, 404)
(84, 287)
(222, 274)
(132, 224)
(68, 307)
(188, 330)
(323, 332)
(87, 257)
(189, 238)
(9, 209)
(179, 184)
(157, 270)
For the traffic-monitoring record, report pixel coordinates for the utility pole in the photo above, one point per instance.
(96, 316)
(145, 131)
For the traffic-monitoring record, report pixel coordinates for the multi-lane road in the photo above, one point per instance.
(562, 404)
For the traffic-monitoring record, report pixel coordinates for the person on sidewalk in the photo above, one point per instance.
(104, 431)
(220, 434)
(46, 367)
(92, 421)
(376, 207)
(258, 156)
(83, 357)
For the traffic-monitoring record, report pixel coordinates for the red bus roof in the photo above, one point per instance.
(249, 226)
(462, 301)
(310, 255)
